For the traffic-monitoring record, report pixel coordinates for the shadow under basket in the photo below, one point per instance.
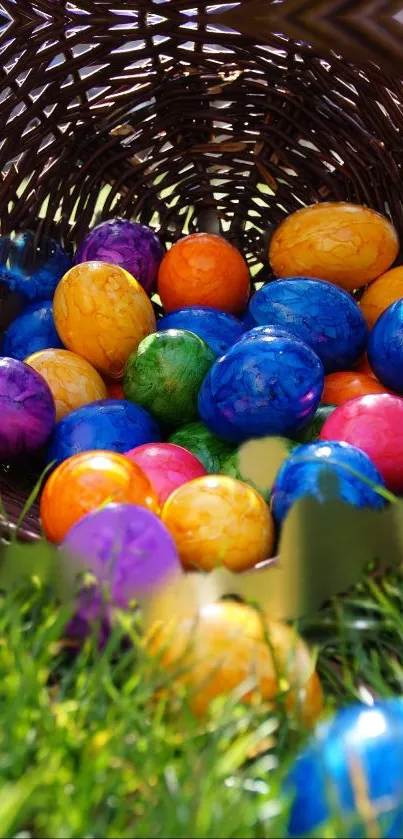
(157, 114)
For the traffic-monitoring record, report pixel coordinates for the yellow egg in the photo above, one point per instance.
(217, 520)
(346, 244)
(72, 380)
(102, 313)
(381, 294)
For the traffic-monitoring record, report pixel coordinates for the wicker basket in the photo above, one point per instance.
(153, 112)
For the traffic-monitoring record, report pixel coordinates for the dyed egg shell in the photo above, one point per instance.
(385, 347)
(27, 409)
(86, 482)
(165, 375)
(218, 329)
(167, 466)
(125, 547)
(375, 425)
(370, 738)
(112, 424)
(32, 331)
(381, 294)
(133, 246)
(347, 244)
(102, 314)
(311, 431)
(320, 314)
(231, 467)
(206, 446)
(300, 475)
(228, 644)
(340, 387)
(271, 385)
(33, 266)
(72, 381)
(203, 269)
(257, 332)
(218, 520)
(115, 390)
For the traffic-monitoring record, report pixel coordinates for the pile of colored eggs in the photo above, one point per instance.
(140, 419)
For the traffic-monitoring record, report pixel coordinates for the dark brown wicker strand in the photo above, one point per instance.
(152, 112)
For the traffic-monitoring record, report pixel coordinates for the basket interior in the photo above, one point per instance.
(157, 113)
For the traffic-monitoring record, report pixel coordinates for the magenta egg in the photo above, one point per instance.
(167, 466)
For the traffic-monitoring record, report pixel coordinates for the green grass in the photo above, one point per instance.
(90, 746)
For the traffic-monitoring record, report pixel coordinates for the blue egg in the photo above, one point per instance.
(264, 331)
(111, 424)
(269, 385)
(30, 267)
(300, 475)
(385, 347)
(218, 329)
(321, 314)
(360, 746)
(32, 331)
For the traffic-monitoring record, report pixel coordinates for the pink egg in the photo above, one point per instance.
(167, 466)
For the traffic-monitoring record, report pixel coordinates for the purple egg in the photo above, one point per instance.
(27, 409)
(129, 244)
(125, 547)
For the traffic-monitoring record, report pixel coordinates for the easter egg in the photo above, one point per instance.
(256, 332)
(385, 347)
(133, 246)
(269, 386)
(86, 482)
(112, 424)
(125, 547)
(102, 314)
(218, 520)
(300, 475)
(35, 265)
(203, 269)
(218, 329)
(347, 244)
(228, 645)
(320, 314)
(374, 424)
(324, 779)
(165, 375)
(71, 379)
(384, 291)
(342, 386)
(27, 409)
(167, 466)
(232, 468)
(33, 330)
(211, 450)
(311, 432)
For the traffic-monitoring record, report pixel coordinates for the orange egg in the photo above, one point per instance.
(217, 520)
(72, 380)
(87, 481)
(228, 644)
(204, 270)
(382, 293)
(346, 244)
(363, 366)
(339, 387)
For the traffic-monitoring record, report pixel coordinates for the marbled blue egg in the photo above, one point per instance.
(264, 331)
(319, 313)
(360, 739)
(385, 347)
(301, 473)
(32, 267)
(218, 329)
(112, 424)
(270, 385)
(32, 331)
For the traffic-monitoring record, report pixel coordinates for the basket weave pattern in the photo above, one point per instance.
(157, 114)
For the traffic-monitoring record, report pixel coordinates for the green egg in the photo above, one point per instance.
(196, 438)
